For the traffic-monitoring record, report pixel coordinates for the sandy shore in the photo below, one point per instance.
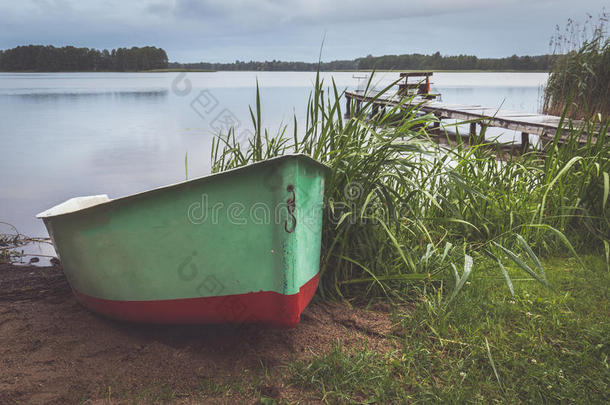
(52, 350)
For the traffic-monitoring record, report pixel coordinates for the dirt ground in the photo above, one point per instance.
(52, 350)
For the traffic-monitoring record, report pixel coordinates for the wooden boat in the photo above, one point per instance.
(239, 246)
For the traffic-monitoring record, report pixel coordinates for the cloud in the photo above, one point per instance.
(225, 30)
(273, 12)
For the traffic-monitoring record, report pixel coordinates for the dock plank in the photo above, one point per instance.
(545, 126)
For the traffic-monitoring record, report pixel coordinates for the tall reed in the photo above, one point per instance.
(400, 208)
(579, 80)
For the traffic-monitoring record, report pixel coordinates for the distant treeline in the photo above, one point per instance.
(460, 62)
(274, 65)
(388, 62)
(39, 58)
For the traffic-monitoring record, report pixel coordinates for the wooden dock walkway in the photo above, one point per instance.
(541, 125)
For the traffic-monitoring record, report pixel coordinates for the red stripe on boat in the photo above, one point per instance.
(267, 307)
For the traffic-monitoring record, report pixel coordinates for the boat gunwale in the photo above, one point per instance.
(210, 176)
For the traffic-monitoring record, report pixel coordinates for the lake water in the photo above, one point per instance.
(72, 134)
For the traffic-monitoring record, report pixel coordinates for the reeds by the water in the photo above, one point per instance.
(401, 210)
(580, 74)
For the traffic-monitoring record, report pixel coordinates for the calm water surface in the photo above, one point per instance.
(72, 134)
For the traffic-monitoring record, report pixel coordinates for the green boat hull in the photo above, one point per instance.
(238, 246)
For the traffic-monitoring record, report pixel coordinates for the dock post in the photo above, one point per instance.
(358, 102)
(348, 107)
(375, 109)
(525, 141)
(473, 133)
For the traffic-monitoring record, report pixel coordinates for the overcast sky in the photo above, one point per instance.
(226, 30)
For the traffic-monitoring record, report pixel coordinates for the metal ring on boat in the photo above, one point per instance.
(291, 205)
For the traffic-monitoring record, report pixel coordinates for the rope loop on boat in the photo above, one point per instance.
(291, 205)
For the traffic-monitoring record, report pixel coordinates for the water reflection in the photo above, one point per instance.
(59, 95)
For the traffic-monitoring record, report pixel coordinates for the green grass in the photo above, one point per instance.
(547, 346)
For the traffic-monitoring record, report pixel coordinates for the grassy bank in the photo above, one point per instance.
(540, 346)
(494, 276)
(471, 251)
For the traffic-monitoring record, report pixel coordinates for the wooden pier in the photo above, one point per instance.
(418, 94)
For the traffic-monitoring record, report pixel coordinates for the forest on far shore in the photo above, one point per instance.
(413, 61)
(39, 58)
